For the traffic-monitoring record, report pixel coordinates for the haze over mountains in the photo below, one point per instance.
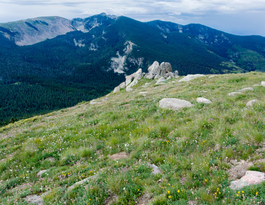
(81, 59)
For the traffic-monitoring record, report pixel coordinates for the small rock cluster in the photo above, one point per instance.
(161, 72)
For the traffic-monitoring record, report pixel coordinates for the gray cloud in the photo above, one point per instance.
(235, 16)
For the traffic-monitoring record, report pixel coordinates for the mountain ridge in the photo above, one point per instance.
(79, 66)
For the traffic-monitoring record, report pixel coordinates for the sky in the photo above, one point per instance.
(240, 17)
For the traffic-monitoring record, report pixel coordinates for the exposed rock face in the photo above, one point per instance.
(190, 77)
(263, 83)
(203, 100)
(250, 178)
(157, 71)
(35, 30)
(251, 103)
(174, 104)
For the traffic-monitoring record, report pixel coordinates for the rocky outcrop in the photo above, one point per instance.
(155, 71)
(174, 104)
(162, 70)
(130, 81)
(263, 83)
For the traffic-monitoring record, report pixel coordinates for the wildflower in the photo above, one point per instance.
(169, 197)
(205, 180)
(89, 199)
(168, 192)
(243, 192)
(239, 192)
(237, 195)
(257, 193)
(178, 191)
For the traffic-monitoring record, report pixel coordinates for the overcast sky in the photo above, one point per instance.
(242, 17)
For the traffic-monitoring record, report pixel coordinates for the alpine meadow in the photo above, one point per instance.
(108, 110)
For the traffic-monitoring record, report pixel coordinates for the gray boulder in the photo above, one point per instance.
(153, 70)
(250, 178)
(246, 89)
(165, 68)
(263, 83)
(174, 104)
(203, 100)
(190, 77)
(234, 93)
(251, 103)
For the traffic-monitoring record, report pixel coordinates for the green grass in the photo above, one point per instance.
(192, 147)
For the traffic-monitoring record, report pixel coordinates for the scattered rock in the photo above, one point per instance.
(111, 199)
(263, 83)
(251, 103)
(41, 172)
(81, 182)
(50, 159)
(174, 104)
(203, 100)
(192, 203)
(246, 89)
(35, 199)
(190, 77)
(155, 168)
(161, 80)
(145, 199)
(146, 85)
(234, 93)
(212, 76)
(121, 155)
(239, 170)
(143, 93)
(94, 102)
(250, 178)
(255, 85)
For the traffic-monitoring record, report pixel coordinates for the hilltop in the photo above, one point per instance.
(123, 148)
(49, 63)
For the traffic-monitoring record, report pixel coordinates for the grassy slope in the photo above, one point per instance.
(193, 147)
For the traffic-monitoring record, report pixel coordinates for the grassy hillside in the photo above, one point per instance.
(193, 148)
